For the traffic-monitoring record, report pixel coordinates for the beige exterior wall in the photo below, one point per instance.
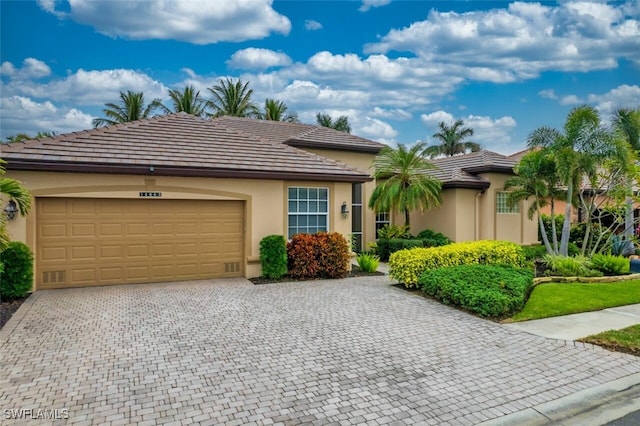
(362, 162)
(470, 214)
(265, 201)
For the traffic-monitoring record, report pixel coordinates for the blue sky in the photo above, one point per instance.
(395, 68)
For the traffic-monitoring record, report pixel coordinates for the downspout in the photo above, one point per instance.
(477, 215)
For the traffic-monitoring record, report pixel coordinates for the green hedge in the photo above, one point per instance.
(16, 278)
(386, 247)
(407, 266)
(488, 290)
(273, 256)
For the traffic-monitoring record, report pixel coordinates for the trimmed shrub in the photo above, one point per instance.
(16, 278)
(434, 239)
(539, 251)
(388, 246)
(273, 256)
(488, 290)
(407, 266)
(368, 262)
(611, 265)
(321, 255)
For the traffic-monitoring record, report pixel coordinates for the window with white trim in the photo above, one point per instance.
(308, 210)
(502, 206)
(382, 219)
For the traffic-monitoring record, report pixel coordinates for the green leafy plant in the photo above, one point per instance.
(273, 256)
(16, 278)
(434, 239)
(610, 264)
(368, 262)
(393, 231)
(494, 291)
(566, 266)
(621, 246)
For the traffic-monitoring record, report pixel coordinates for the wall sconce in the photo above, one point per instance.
(344, 210)
(11, 211)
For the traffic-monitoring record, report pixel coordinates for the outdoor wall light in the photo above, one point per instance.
(11, 211)
(344, 210)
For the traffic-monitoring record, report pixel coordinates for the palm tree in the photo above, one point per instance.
(536, 177)
(188, 101)
(626, 125)
(13, 190)
(232, 99)
(130, 108)
(276, 110)
(341, 123)
(577, 150)
(18, 138)
(404, 181)
(452, 140)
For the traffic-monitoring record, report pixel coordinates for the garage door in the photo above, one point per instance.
(83, 242)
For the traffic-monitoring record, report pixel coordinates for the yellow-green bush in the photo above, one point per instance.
(407, 266)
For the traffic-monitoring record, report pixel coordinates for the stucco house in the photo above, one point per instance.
(178, 197)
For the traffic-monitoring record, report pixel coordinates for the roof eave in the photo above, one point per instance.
(465, 185)
(488, 168)
(153, 170)
(332, 146)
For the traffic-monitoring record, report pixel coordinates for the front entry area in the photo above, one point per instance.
(98, 241)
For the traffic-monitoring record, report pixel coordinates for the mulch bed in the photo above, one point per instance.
(8, 308)
(355, 272)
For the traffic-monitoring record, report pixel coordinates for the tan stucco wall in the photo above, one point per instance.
(265, 201)
(470, 214)
(362, 162)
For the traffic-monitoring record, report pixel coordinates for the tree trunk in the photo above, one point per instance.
(545, 239)
(554, 231)
(406, 219)
(628, 219)
(566, 226)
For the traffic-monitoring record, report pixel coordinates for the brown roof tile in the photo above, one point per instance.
(461, 171)
(176, 144)
(302, 135)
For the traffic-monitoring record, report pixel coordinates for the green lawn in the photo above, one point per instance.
(625, 340)
(554, 299)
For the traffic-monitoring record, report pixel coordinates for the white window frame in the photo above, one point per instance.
(382, 222)
(501, 204)
(298, 214)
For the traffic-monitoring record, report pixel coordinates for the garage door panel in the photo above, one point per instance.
(112, 241)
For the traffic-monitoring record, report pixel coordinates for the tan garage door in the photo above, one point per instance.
(83, 242)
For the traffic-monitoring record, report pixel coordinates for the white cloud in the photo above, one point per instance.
(570, 100)
(192, 21)
(521, 41)
(368, 4)
(259, 59)
(548, 94)
(394, 113)
(88, 87)
(623, 96)
(492, 134)
(23, 115)
(311, 25)
(31, 68)
(375, 129)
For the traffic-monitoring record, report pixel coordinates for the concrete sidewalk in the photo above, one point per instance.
(576, 326)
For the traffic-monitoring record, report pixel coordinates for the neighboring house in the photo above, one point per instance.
(474, 203)
(178, 197)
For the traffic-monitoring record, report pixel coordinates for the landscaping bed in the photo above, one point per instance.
(8, 308)
(355, 272)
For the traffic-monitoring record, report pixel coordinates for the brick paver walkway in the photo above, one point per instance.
(348, 351)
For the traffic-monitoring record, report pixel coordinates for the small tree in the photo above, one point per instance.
(404, 181)
(273, 256)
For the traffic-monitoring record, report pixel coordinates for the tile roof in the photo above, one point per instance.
(178, 145)
(461, 171)
(302, 135)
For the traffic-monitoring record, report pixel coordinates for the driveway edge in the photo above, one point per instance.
(17, 316)
(596, 406)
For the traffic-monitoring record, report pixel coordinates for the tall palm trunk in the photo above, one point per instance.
(566, 226)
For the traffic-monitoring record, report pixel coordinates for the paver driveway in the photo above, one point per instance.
(348, 351)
